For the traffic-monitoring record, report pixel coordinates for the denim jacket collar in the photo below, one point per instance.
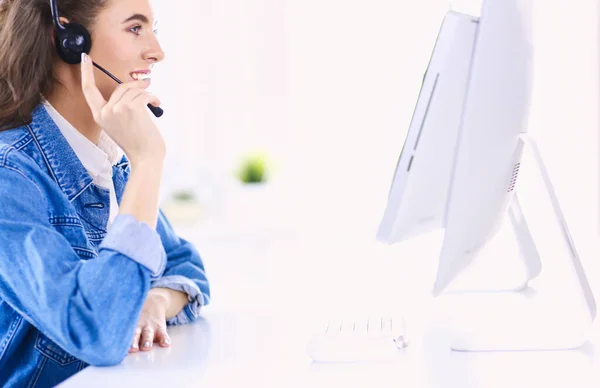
(63, 164)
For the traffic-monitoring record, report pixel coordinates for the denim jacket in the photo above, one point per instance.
(70, 292)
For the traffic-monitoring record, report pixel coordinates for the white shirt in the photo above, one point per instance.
(97, 159)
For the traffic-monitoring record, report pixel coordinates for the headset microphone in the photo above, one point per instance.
(72, 39)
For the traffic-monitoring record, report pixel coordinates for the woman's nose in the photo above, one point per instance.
(155, 53)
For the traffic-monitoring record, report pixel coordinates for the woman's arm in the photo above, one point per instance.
(175, 298)
(89, 308)
(184, 272)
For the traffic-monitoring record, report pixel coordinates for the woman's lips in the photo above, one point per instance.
(139, 75)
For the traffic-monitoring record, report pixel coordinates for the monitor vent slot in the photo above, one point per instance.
(513, 178)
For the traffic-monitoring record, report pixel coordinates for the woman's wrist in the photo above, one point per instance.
(160, 296)
(173, 301)
(141, 196)
(153, 162)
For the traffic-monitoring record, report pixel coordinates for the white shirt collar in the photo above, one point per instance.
(97, 159)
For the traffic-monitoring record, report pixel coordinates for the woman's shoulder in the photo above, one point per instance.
(12, 137)
(14, 155)
(12, 140)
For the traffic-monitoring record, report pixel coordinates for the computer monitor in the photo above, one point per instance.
(417, 197)
(477, 88)
(490, 142)
(489, 146)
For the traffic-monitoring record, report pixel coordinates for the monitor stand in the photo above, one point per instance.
(556, 310)
(507, 264)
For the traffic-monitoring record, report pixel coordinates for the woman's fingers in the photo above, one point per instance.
(124, 88)
(125, 101)
(144, 338)
(146, 98)
(162, 337)
(135, 344)
(147, 338)
(88, 84)
(131, 99)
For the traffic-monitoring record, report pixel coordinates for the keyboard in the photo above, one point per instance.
(358, 339)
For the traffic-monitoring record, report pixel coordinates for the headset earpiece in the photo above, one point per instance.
(71, 41)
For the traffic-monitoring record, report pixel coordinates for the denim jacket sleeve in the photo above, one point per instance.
(89, 308)
(184, 272)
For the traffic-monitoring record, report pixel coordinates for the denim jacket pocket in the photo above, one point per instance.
(95, 237)
(53, 351)
(73, 230)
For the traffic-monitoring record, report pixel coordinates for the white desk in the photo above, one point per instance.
(266, 297)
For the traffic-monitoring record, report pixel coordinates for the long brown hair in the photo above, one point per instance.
(27, 52)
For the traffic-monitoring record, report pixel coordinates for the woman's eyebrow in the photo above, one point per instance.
(138, 16)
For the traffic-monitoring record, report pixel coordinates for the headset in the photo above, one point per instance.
(72, 39)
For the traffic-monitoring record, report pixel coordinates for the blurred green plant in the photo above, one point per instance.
(253, 169)
(184, 196)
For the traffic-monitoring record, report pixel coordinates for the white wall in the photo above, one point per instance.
(328, 88)
(355, 72)
(223, 85)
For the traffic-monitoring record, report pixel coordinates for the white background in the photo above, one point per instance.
(327, 89)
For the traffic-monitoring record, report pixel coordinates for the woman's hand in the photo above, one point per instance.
(125, 117)
(152, 326)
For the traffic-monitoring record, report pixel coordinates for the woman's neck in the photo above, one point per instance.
(74, 108)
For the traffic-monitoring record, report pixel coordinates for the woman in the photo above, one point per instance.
(90, 269)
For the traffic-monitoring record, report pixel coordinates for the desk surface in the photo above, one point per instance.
(270, 294)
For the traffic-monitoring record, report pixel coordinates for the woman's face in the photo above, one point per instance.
(124, 42)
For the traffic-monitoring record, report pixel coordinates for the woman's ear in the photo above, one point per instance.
(63, 21)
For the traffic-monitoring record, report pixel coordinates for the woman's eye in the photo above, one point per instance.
(136, 28)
